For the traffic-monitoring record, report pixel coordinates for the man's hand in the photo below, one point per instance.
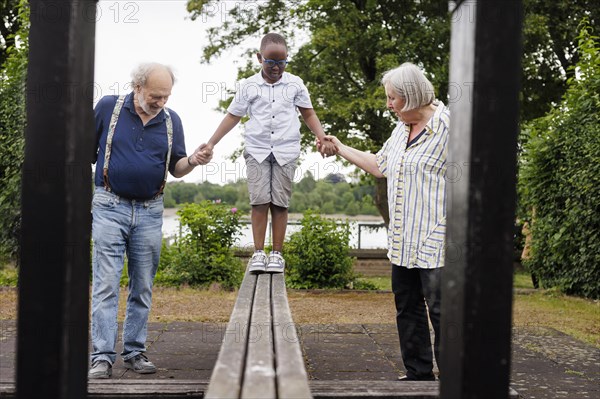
(202, 155)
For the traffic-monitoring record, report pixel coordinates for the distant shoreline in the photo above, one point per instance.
(170, 212)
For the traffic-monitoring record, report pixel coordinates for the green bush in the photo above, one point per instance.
(318, 255)
(364, 284)
(559, 183)
(203, 254)
(12, 140)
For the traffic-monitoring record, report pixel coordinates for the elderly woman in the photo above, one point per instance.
(413, 160)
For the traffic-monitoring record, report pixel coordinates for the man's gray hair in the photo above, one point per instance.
(140, 74)
(409, 82)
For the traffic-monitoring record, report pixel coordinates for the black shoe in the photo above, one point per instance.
(101, 369)
(407, 378)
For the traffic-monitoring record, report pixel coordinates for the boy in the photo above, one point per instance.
(272, 144)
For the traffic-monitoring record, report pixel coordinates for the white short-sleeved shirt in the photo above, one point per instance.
(274, 126)
(417, 192)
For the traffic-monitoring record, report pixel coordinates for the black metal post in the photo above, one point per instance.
(52, 344)
(477, 282)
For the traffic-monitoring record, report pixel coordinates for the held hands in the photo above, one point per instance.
(330, 145)
(202, 155)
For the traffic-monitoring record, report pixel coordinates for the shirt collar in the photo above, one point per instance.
(433, 124)
(258, 78)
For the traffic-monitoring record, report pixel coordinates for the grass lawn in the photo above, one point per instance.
(521, 280)
(574, 316)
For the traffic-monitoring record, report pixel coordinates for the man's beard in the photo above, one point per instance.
(146, 107)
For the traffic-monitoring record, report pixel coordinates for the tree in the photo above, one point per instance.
(550, 51)
(182, 192)
(9, 26)
(351, 43)
(335, 178)
(307, 184)
(298, 202)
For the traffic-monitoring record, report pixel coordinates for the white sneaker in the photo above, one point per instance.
(258, 262)
(276, 263)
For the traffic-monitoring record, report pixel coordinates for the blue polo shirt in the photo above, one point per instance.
(139, 153)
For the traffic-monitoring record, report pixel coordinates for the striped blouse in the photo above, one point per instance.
(417, 192)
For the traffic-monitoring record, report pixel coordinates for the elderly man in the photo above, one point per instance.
(138, 141)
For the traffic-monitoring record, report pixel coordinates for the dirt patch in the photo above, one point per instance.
(8, 303)
(569, 315)
(343, 307)
(187, 304)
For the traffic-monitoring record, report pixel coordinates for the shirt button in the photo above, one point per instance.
(273, 116)
(272, 132)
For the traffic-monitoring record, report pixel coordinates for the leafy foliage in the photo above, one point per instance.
(318, 255)
(351, 43)
(550, 52)
(9, 27)
(12, 127)
(346, 45)
(560, 181)
(203, 254)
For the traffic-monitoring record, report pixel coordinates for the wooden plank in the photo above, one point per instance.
(380, 389)
(181, 387)
(133, 389)
(195, 388)
(375, 389)
(259, 378)
(228, 373)
(292, 379)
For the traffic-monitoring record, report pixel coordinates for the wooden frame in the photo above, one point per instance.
(52, 353)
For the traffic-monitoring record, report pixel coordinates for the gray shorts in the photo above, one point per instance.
(269, 182)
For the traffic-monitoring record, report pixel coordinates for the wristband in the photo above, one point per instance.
(189, 163)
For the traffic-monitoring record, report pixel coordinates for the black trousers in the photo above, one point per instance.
(416, 293)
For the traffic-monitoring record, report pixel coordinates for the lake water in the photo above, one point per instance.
(370, 237)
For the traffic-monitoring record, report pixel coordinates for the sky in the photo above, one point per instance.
(130, 32)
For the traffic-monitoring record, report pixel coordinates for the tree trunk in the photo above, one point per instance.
(381, 201)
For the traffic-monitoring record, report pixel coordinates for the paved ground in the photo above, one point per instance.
(546, 363)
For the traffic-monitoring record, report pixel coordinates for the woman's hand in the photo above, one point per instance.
(329, 146)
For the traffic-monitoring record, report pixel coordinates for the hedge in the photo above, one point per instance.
(559, 182)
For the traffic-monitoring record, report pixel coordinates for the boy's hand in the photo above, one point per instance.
(202, 155)
(328, 146)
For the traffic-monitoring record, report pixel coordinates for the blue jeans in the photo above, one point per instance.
(123, 227)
